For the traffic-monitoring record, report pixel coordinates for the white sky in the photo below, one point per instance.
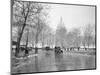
(72, 16)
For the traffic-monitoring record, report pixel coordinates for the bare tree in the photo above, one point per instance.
(23, 14)
(73, 38)
(39, 28)
(76, 37)
(89, 35)
(40, 23)
(45, 34)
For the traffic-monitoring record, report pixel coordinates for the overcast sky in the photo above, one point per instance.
(72, 16)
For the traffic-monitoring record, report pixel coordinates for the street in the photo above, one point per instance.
(49, 61)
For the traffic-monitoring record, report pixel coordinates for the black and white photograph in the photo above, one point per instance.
(52, 37)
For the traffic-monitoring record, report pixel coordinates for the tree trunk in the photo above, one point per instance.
(19, 40)
(42, 44)
(62, 44)
(27, 39)
(88, 46)
(20, 35)
(36, 41)
(26, 50)
(36, 38)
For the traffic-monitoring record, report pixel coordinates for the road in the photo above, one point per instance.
(48, 61)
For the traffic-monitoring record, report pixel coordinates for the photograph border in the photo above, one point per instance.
(58, 4)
